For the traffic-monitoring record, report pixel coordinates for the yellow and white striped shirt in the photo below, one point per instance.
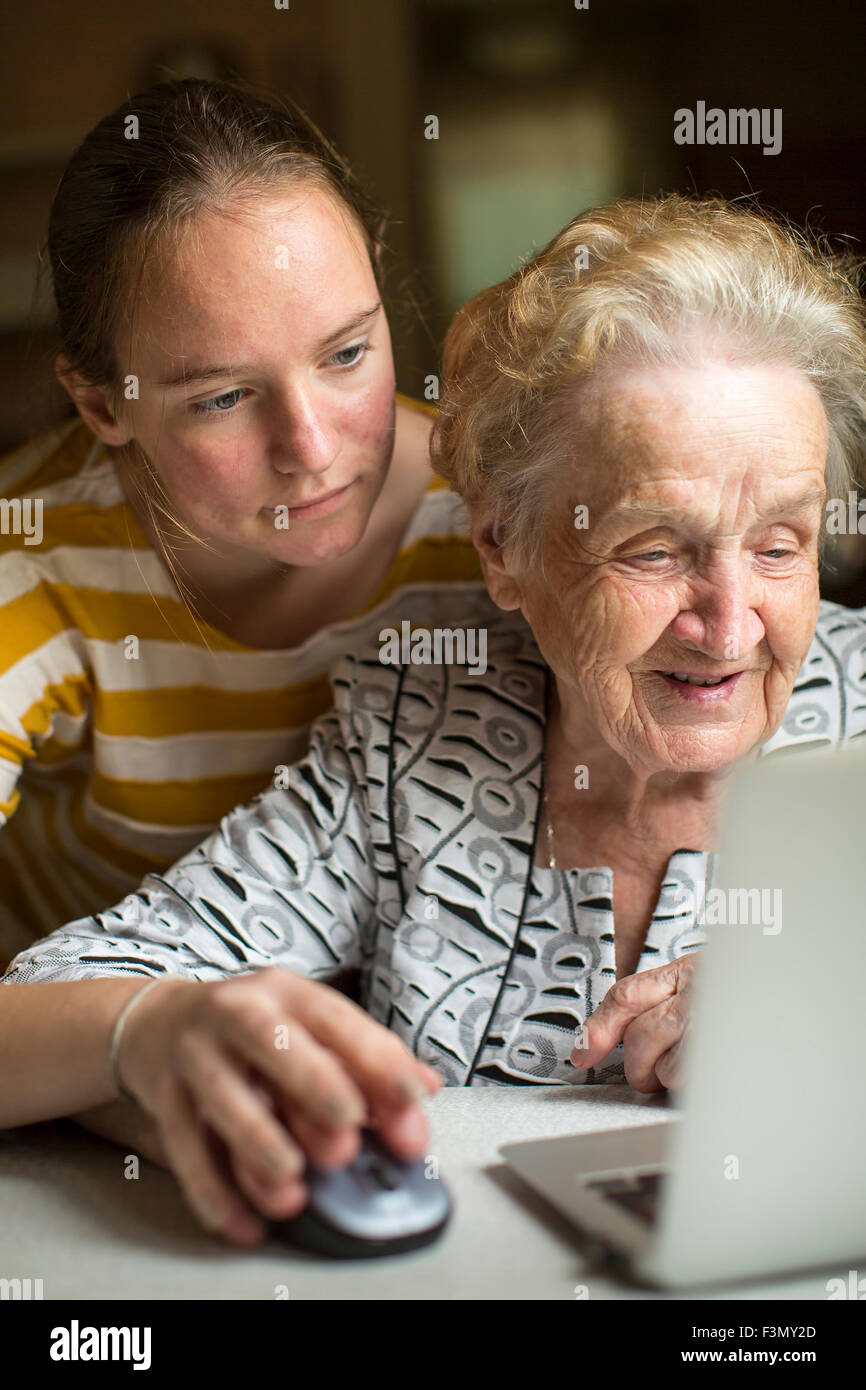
(112, 767)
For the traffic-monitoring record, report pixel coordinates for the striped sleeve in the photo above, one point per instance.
(45, 683)
(286, 880)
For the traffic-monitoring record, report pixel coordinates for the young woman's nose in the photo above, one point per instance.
(302, 439)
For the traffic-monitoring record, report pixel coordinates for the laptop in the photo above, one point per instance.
(761, 1172)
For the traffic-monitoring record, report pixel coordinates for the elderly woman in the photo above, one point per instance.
(644, 421)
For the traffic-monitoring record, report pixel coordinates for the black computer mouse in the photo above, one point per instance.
(376, 1205)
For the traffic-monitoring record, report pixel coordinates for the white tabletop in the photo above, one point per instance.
(71, 1218)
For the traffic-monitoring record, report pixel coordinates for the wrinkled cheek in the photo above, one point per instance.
(791, 625)
(625, 698)
(778, 685)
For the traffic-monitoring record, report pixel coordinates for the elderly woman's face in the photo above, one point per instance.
(704, 491)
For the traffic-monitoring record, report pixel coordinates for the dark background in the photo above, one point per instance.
(543, 109)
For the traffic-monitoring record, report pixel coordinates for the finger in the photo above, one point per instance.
(291, 1061)
(404, 1130)
(625, 1001)
(377, 1061)
(276, 1198)
(649, 1037)
(211, 1197)
(277, 1201)
(669, 1067)
(324, 1147)
(233, 1107)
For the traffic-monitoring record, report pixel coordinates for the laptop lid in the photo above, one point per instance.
(767, 1164)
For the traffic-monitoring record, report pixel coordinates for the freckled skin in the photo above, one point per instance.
(723, 444)
(304, 426)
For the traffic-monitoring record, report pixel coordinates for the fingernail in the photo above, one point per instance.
(410, 1089)
(414, 1127)
(345, 1112)
(282, 1164)
(210, 1215)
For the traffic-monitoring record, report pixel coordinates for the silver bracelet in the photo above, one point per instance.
(115, 1040)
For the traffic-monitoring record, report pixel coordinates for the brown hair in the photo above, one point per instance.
(137, 182)
(650, 281)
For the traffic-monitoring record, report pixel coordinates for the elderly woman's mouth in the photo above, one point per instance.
(696, 685)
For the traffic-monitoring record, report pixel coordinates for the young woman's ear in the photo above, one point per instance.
(92, 404)
(488, 536)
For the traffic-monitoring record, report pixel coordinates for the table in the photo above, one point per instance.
(71, 1218)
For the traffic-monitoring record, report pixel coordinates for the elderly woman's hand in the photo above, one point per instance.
(649, 1012)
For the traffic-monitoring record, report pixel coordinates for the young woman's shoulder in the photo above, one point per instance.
(55, 455)
(62, 489)
(413, 423)
(66, 532)
(420, 408)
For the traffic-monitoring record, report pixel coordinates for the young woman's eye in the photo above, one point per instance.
(350, 356)
(219, 404)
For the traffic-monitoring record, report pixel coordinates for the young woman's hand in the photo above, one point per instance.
(248, 1077)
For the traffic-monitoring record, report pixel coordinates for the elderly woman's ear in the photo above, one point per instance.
(496, 562)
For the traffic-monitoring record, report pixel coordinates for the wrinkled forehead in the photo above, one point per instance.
(660, 400)
(633, 428)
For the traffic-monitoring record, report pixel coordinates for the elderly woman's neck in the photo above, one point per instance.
(587, 773)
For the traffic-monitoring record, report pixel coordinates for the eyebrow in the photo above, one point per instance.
(802, 503)
(188, 376)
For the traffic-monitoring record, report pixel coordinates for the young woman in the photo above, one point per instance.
(240, 500)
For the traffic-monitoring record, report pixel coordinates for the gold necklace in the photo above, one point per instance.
(551, 854)
(551, 851)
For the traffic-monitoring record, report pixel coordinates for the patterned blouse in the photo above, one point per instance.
(402, 846)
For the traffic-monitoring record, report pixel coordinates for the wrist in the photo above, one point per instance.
(141, 1012)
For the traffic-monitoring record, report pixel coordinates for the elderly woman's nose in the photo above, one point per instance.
(303, 439)
(722, 618)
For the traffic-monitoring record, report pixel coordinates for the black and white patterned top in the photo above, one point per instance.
(403, 845)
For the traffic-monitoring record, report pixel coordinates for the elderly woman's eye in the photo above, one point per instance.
(653, 554)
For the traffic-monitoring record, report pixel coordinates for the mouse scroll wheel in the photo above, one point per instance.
(382, 1174)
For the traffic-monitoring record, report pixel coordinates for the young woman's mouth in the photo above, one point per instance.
(318, 506)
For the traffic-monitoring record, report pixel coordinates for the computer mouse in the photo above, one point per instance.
(376, 1205)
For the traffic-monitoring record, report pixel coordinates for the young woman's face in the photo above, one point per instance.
(266, 381)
